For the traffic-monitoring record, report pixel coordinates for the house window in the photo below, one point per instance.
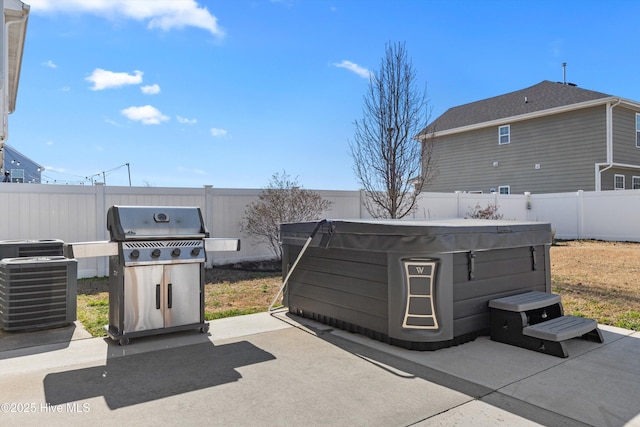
(618, 182)
(504, 134)
(17, 175)
(504, 189)
(635, 183)
(637, 130)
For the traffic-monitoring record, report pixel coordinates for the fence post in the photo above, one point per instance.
(208, 207)
(102, 268)
(580, 214)
(209, 216)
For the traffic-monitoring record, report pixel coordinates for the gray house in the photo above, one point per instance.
(21, 168)
(547, 138)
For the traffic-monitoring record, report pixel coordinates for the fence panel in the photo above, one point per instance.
(611, 215)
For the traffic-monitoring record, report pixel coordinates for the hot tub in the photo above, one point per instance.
(421, 285)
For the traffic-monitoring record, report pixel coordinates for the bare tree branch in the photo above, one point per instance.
(390, 164)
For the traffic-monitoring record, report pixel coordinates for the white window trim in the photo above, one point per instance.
(615, 180)
(501, 187)
(637, 130)
(635, 179)
(508, 135)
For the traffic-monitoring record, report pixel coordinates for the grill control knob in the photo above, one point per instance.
(134, 254)
(155, 253)
(175, 252)
(195, 251)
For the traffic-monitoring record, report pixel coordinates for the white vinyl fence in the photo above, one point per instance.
(605, 215)
(78, 213)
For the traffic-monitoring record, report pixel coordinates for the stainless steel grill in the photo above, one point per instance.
(156, 275)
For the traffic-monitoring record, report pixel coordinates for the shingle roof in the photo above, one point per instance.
(539, 97)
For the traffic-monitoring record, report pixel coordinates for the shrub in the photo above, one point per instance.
(283, 200)
(490, 212)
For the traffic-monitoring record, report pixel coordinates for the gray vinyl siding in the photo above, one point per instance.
(608, 177)
(624, 149)
(624, 137)
(565, 145)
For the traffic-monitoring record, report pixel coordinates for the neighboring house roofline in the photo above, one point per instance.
(534, 101)
(16, 153)
(535, 114)
(16, 17)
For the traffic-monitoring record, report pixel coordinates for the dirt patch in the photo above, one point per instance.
(599, 280)
(93, 285)
(242, 288)
(270, 265)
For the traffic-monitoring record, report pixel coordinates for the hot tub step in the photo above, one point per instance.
(536, 321)
(562, 328)
(526, 301)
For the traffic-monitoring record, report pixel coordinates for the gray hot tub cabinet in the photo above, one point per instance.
(421, 285)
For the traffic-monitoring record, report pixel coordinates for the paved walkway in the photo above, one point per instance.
(280, 370)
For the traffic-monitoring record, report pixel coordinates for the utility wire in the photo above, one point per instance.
(80, 180)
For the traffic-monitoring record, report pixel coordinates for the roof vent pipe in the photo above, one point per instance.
(564, 73)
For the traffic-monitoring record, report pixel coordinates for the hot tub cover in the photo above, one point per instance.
(442, 235)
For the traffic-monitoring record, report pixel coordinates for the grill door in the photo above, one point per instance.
(161, 296)
(182, 284)
(144, 298)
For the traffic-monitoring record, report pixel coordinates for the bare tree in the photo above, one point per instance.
(391, 165)
(283, 200)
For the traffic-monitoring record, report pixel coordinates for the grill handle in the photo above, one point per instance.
(157, 297)
(169, 297)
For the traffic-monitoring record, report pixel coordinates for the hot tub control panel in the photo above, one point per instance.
(420, 278)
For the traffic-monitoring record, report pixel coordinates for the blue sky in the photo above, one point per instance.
(228, 92)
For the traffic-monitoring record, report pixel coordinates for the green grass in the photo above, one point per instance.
(230, 313)
(629, 320)
(93, 313)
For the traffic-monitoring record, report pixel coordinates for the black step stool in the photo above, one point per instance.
(536, 321)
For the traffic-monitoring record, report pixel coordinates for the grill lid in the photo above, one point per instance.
(155, 222)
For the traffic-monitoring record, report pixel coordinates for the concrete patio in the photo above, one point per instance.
(279, 370)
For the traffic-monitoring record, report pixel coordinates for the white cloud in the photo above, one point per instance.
(556, 48)
(186, 121)
(103, 79)
(49, 63)
(195, 171)
(218, 133)
(353, 67)
(150, 89)
(147, 114)
(111, 122)
(165, 15)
